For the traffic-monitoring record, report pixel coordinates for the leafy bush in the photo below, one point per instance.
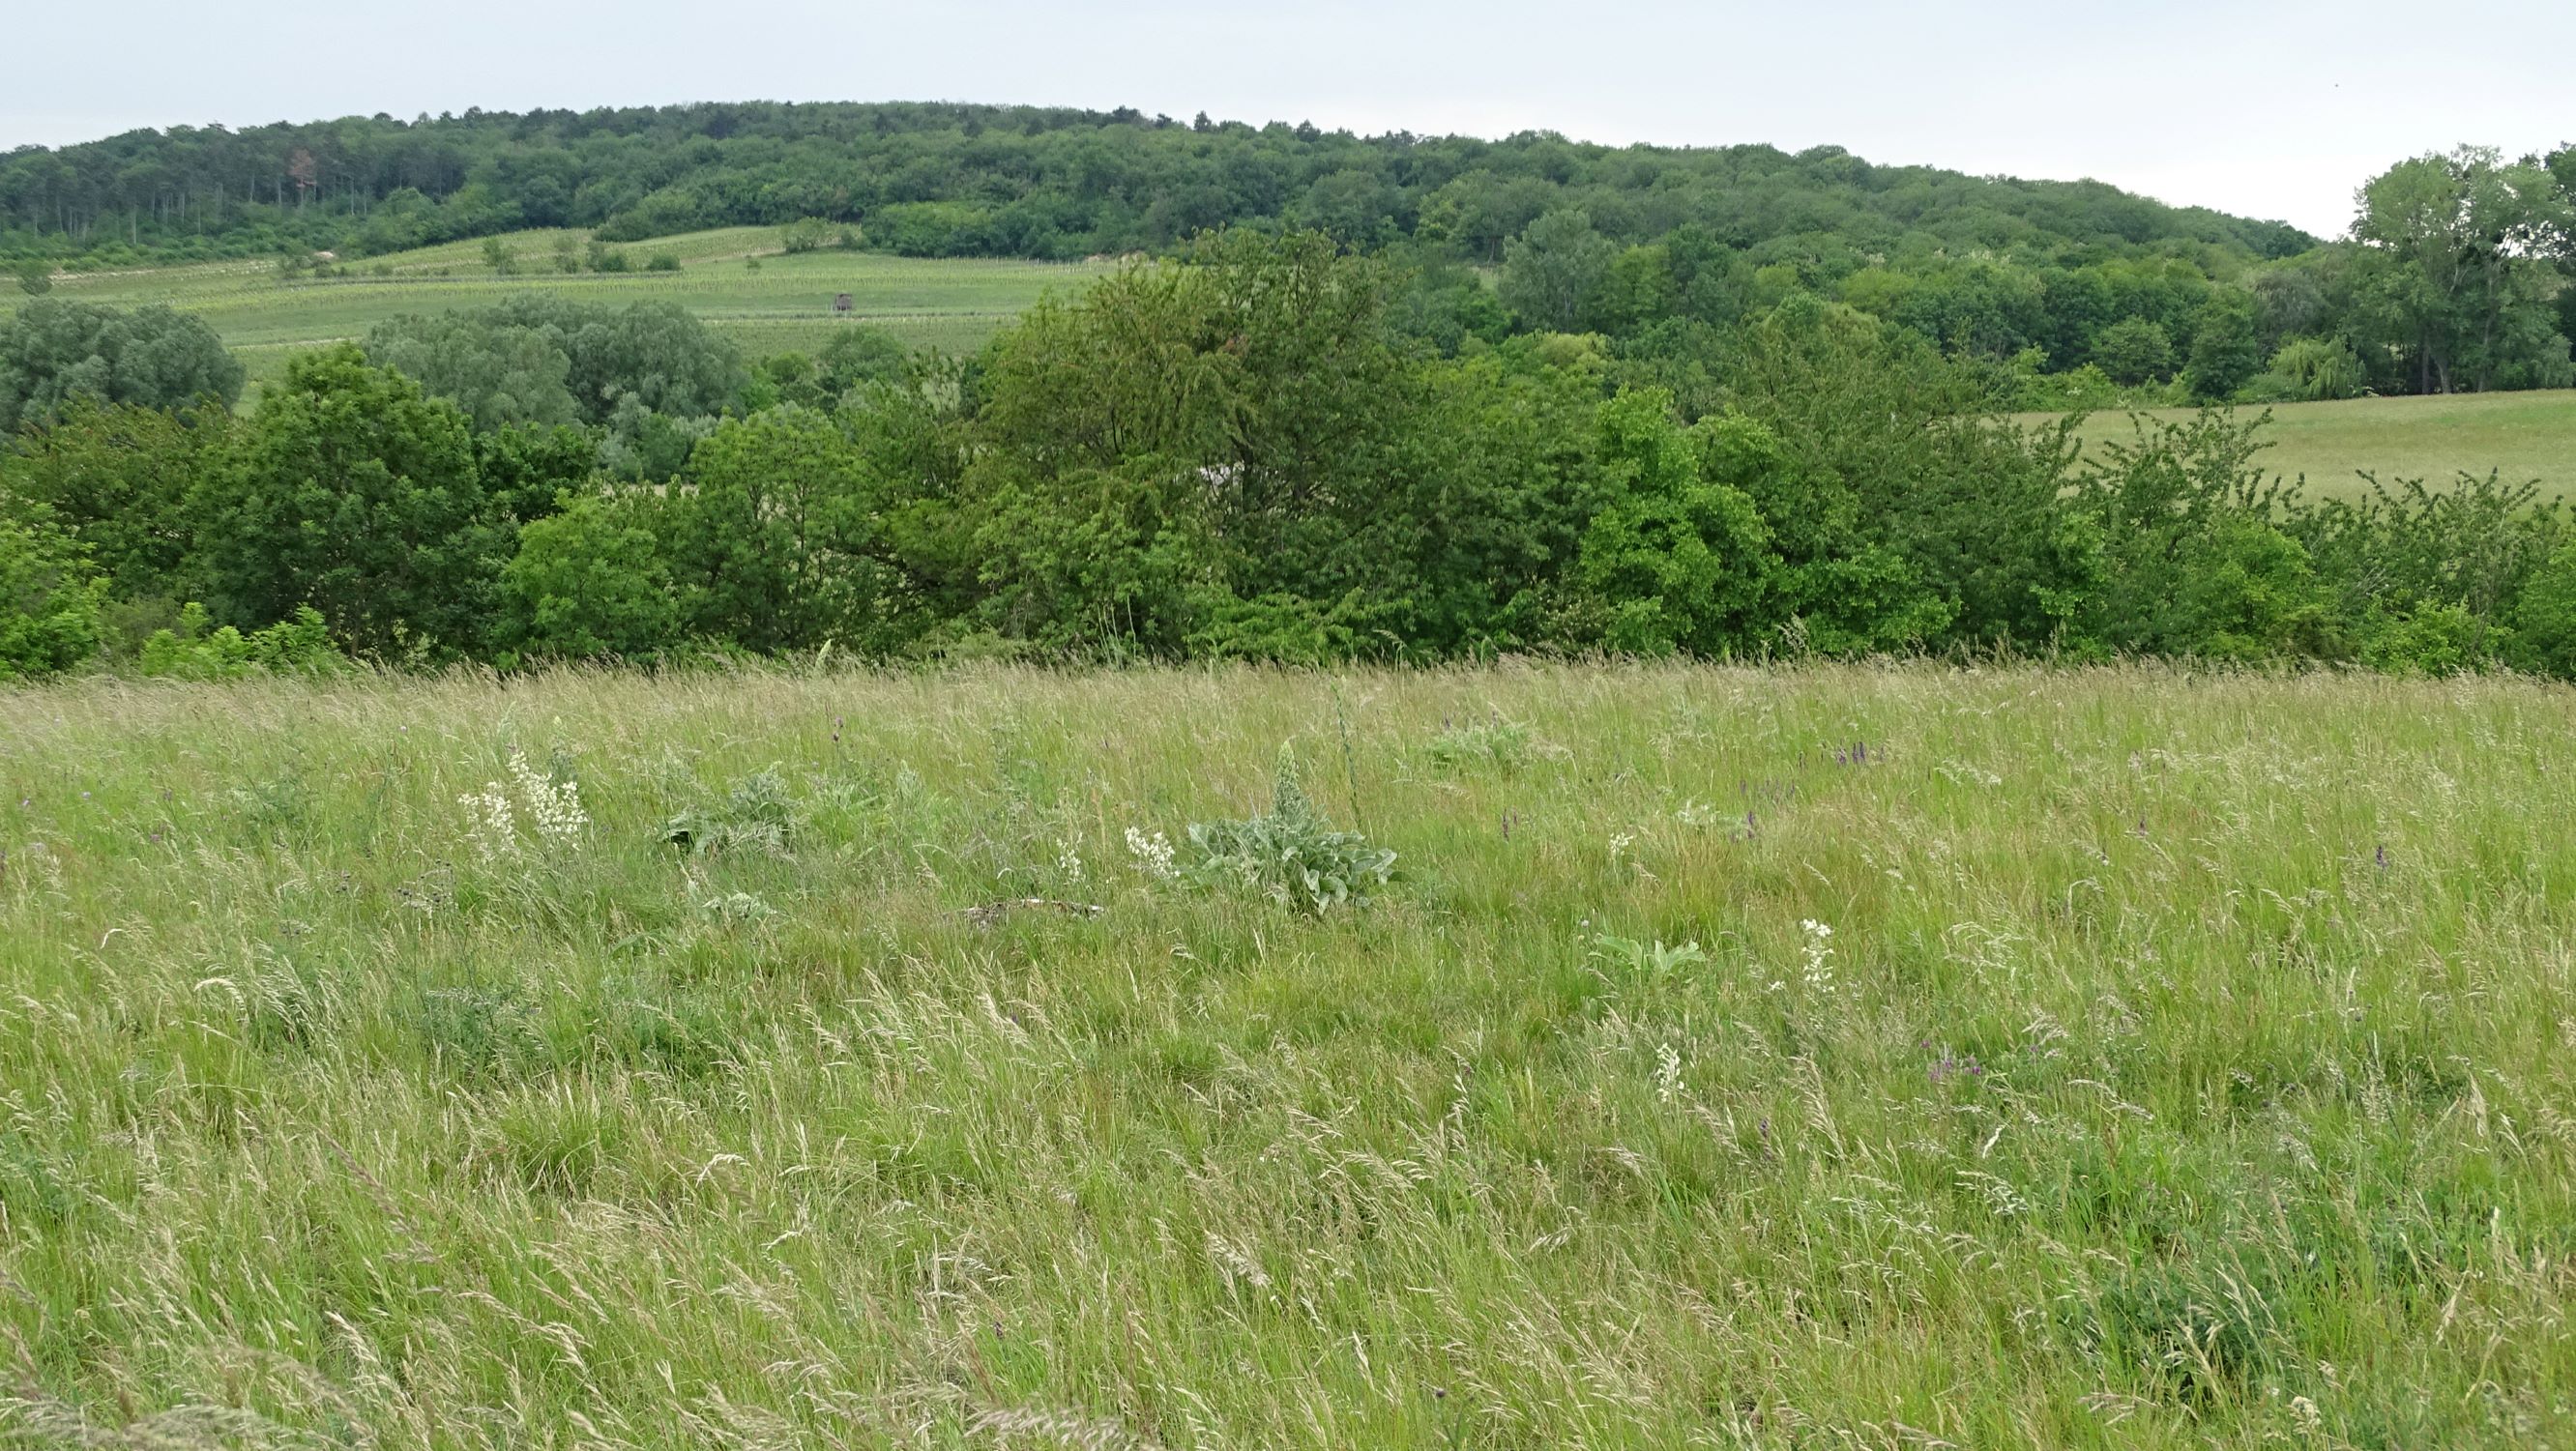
(300, 645)
(2544, 638)
(49, 600)
(2429, 639)
(1292, 855)
(590, 581)
(1674, 559)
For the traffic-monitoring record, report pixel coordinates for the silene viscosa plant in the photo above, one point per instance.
(550, 806)
(1292, 855)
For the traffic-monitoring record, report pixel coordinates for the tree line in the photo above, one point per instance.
(1239, 454)
(2077, 293)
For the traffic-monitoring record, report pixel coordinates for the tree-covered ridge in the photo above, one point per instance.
(966, 180)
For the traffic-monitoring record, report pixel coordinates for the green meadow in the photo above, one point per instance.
(2526, 437)
(737, 279)
(1823, 1056)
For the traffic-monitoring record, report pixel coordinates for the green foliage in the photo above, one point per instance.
(1555, 272)
(662, 262)
(805, 234)
(34, 275)
(1677, 557)
(118, 477)
(2430, 639)
(353, 493)
(1249, 454)
(757, 813)
(52, 352)
(1291, 855)
(49, 597)
(499, 372)
(2455, 274)
(777, 541)
(197, 649)
(2134, 350)
(2226, 349)
(2310, 369)
(591, 581)
(2544, 638)
(542, 359)
(2173, 529)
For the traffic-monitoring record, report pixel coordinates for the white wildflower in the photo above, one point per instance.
(1819, 955)
(491, 825)
(1153, 854)
(1668, 1074)
(555, 806)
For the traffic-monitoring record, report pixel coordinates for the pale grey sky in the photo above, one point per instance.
(2268, 109)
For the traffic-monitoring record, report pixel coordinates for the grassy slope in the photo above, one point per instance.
(2524, 435)
(785, 303)
(2190, 1066)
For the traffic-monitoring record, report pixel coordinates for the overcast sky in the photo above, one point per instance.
(2274, 110)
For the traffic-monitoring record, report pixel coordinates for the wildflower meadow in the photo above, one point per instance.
(1514, 1057)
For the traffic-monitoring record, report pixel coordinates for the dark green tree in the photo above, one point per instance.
(54, 351)
(1555, 271)
(2459, 253)
(119, 479)
(2134, 350)
(352, 492)
(2226, 347)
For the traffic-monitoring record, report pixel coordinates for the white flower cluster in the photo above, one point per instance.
(493, 820)
(555, 806)
(1819, 954)
(491, 825)
(1668, 1074)
(1153, 854)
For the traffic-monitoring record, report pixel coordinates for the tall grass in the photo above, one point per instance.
(1830, 1057)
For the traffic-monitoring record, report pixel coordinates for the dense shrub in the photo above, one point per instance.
(49, 599)
(197, 649)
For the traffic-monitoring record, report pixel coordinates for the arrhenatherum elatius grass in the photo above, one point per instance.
(1777, 1058)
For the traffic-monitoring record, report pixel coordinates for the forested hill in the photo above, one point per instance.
(959, 180)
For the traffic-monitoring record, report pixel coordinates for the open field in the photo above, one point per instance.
(785, 303)
(2191, 1061)
(2525, 436)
